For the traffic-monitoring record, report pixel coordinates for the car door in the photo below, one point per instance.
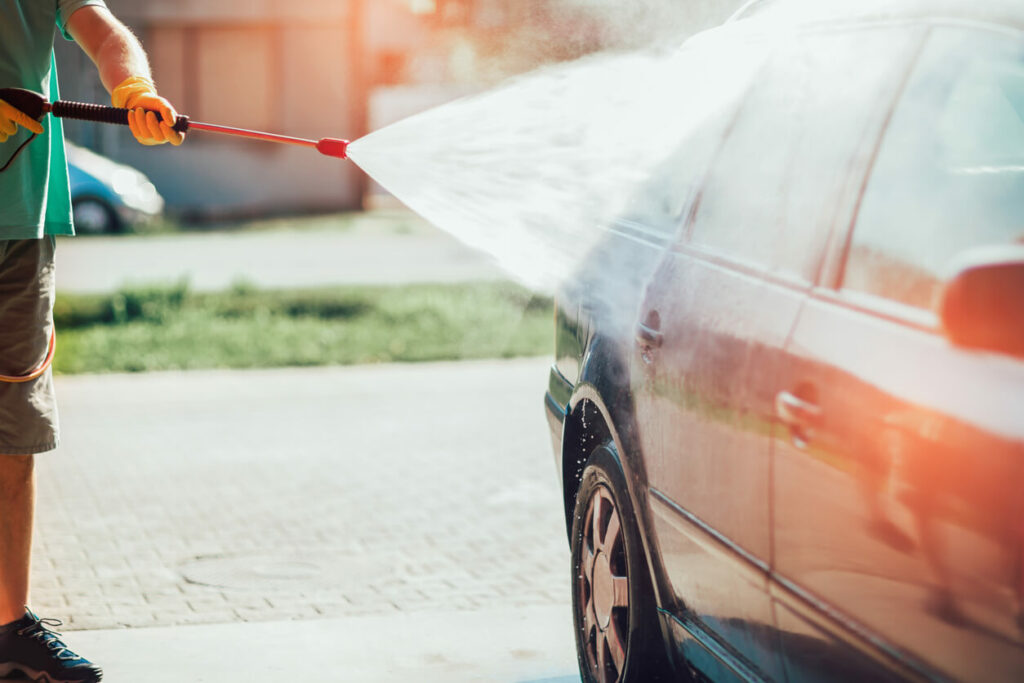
(897, 478)
(714, 321)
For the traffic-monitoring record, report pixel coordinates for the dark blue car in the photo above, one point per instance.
(794, 450)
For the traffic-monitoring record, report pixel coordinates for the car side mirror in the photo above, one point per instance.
(982, 306)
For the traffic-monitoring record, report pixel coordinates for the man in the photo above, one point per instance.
(35, 205)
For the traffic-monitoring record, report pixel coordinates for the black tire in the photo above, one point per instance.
(94, 217)
(617, 635)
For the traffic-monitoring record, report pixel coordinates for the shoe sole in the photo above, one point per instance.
(42, 676)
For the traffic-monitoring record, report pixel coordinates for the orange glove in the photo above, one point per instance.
(139, 94)
(11, 118)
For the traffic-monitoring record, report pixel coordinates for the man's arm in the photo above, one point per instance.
(109, 44)
(124, 71)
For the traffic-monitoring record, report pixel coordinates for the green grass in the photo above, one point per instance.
(170, 327)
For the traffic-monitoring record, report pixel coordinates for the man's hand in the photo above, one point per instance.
(139, 94)
(11, 118)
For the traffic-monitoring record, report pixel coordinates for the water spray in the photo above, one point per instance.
(35, 106)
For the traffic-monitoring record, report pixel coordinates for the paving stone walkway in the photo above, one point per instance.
(218, 497)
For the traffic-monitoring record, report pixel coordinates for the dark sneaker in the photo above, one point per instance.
(29, 646)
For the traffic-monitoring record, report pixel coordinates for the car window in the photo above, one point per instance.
(949, 175)
(771, 195)
(663, 200)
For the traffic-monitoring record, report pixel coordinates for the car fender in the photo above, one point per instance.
(604, 387)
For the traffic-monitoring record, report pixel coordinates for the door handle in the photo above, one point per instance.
(795, 411)
(797, 414)
(648, 336)
(648, 332)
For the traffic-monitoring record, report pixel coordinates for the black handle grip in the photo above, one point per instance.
(26, 101)
(101, 114)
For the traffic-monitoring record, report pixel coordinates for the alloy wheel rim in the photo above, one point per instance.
(603, 586)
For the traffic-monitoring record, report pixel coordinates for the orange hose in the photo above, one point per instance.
(38, 372)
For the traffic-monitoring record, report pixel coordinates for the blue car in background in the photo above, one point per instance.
(108, 197)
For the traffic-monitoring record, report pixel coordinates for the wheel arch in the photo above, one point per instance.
(601, 411)
(586, 427)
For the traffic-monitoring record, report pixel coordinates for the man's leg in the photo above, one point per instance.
(28, 410)
(17, 503)
(28, 425)
(27, 643)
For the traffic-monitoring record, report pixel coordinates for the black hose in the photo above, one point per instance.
(17, 152)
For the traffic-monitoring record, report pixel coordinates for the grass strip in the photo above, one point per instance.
(173, 328)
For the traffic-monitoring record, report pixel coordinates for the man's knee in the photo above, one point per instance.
(15, 470)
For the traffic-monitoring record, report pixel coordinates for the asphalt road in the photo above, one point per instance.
(382, 247)
(364, 504)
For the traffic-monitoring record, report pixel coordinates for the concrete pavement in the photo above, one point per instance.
(497, 645)
(330, 501)
(391, 246)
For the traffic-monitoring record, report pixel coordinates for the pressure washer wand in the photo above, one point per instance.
(35, 105)
(332, 147)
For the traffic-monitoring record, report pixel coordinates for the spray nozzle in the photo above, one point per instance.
(333, 147)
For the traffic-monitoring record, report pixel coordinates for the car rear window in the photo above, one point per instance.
(771, 195)
(949, 175)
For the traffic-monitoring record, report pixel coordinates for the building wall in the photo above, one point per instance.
(292, 68)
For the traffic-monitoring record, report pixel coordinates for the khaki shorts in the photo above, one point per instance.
(28, 411)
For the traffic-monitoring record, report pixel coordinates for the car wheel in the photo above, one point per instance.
(617, 635)
(93, 217)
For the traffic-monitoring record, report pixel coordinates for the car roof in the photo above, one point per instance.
(1008, 13)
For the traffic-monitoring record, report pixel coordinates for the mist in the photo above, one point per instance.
(643, 23)
(541, 170)
(534, 171)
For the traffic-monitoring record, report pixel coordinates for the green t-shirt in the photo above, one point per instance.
(34, 194)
